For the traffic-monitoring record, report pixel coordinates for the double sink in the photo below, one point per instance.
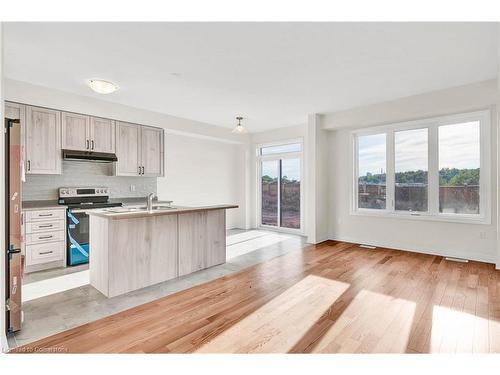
(158, 207)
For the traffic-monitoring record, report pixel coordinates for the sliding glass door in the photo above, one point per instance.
(280, 186)
(270, 194)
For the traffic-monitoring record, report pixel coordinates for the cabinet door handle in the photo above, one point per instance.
(44, 237)
(139, 169)
(29, 165)
(44, 214)
(45, 226)
(92, 144)
(87, 144)
(45, 252)
(142, 169)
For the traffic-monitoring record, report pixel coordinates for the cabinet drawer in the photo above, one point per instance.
(44, 226)
(45, 215)
(35, 238)
(44, 253)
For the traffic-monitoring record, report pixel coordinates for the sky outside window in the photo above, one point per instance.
(459, 146)
(371, 154)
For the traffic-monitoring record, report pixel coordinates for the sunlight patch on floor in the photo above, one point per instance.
(278, 325)
(253, 240)
(372, 322)
(54, 285)
(457, 331)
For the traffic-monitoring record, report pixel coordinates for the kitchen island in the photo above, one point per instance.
(133, 248)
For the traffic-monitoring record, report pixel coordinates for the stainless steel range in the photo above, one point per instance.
(79, 200)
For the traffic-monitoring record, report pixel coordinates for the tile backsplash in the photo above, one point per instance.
(92, 174)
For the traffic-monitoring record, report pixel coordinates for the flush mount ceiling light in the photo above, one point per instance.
(102, 87)
(239, 128)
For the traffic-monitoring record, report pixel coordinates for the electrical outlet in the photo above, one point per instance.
(482, 235)
(132, 187)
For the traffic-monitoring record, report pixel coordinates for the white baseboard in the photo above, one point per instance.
(441, 252)
(317, 240)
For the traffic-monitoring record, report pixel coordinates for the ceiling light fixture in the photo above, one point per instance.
(102, 87)
(239, 128)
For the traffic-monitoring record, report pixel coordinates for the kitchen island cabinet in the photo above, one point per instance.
(135, 249)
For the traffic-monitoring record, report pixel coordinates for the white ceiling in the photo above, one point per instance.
(273, 74)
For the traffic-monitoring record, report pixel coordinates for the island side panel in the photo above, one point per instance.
(98, 259)
(192, 242)
(143, 252)
(202, 240)
(216, 237)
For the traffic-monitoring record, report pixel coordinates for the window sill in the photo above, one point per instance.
(460, 219)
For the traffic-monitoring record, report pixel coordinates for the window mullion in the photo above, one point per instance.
(433, 174)
(390, 178)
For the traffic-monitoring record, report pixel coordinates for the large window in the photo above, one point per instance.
(280, 185)
(410, 166)
(459, 167)
(371, 179)
(436, 169)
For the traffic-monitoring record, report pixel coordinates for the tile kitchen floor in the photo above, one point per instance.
(58, 310)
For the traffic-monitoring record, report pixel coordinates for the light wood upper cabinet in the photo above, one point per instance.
(75, 131)
(86, 133)
(102, 135)
(140, 150)
(151, 151)
(43, 141)
(127, 149)
(14, 111)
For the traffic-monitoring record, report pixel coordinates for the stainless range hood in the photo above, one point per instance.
(102, 157)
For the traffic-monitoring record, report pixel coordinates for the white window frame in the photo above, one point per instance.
(432, 124)
(277, 156)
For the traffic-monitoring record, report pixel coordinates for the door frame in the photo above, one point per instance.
(288, 155)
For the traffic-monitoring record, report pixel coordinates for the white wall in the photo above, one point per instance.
(452, 239)
(3, 338)
(437, 103)
(203, 172)
(317, 182)
(203, 161)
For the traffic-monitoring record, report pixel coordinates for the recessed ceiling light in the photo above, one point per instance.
(102, 87)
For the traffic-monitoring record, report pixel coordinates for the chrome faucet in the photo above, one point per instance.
(150, 198)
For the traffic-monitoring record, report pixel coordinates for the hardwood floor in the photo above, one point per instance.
(330, 298)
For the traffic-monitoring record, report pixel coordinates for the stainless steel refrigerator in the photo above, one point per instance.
(13, 256)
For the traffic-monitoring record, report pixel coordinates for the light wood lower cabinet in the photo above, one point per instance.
(44, 238)
(44, 253)
(132, 254)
